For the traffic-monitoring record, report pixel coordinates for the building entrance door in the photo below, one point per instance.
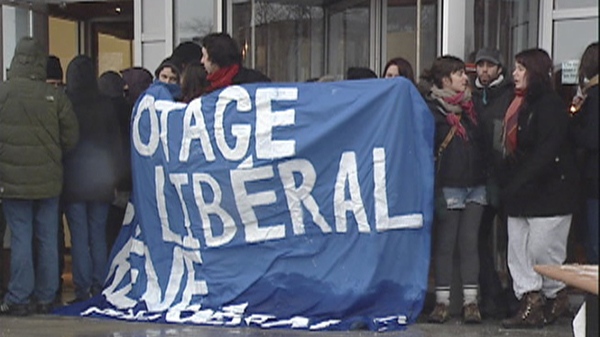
(102, 30)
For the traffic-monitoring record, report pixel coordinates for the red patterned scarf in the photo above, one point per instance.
(463, 99)
(456, 103)
(511, 118)
(222, 77)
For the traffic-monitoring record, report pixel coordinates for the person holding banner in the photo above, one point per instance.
(460, 182)
(167, 72)
(193, 81)
(222, 60)
(538, 189)
(398, 66)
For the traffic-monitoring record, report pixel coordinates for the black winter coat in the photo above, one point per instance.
(540, 178)
(491, 119)
(92, 168)
(461, 163)
(584, 132)
(246, 75)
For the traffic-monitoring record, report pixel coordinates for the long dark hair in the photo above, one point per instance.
(442, 67)
(404, 68)
(538, 65)
(193, 81)
(588, 67)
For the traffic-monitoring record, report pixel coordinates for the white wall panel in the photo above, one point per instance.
(153, 32)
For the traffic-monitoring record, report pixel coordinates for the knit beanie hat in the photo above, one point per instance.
(54, 70)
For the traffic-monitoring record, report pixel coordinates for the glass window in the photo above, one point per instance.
(570, 4)
(15, 25)
(571, 37)
(194, 19)
(286, 40)
(401, 33)
(510, 26)
(114, 53)
(63, 40)
(349, 37)
(297, 41)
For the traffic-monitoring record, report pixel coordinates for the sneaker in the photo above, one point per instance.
(44, 308)
(77, 300)
(13, 309)
(439, 314)
(95, 290)
(471, 314)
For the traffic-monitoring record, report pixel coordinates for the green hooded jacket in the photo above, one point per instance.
(37, 125)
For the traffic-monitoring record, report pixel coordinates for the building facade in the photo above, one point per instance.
(298, 40)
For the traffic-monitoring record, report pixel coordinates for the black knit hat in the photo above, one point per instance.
(358, 73)
(54, 70)
(185, 53)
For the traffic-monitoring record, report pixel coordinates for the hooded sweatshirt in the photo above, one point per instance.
(93, 167)
(37, 126)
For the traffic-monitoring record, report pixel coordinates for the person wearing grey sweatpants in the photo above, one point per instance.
(538, 189)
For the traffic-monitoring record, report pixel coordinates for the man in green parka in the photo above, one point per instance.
(37, 126)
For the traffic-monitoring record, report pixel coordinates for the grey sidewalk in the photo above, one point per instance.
(58, 326)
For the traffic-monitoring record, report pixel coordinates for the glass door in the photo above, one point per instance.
(410, 32)
(282, 39)
(348, 36)
(301, 40)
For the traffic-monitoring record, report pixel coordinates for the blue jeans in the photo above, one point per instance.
(592, 230)
(458, 197)
(25, 219)
(87, 223)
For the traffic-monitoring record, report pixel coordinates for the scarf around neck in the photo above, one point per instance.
(222, 77)
(455, 103)
(511, 118)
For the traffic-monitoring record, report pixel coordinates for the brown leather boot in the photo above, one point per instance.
(556, 307)
(530, 314)
(439, 314)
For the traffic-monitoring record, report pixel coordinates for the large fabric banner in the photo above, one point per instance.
(294, 205)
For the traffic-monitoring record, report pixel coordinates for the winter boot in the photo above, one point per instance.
(530, 313)
(556, 307)
(440, 313)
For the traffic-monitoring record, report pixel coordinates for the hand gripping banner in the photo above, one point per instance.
(278, 205)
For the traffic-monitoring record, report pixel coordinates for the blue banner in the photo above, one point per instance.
(295, 205)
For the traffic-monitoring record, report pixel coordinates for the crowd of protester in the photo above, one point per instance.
(505, 153)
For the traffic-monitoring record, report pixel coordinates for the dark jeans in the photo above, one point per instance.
(490, 286)
(114, 223)
(28, 219)
(2, 232)
(457, 229)
(87, 223)
(592, 230)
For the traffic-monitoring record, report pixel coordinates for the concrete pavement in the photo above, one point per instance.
(60, 326)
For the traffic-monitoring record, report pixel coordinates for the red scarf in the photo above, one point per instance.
(454, 119)
(222, 77)
(511, 118)
(465, 104)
